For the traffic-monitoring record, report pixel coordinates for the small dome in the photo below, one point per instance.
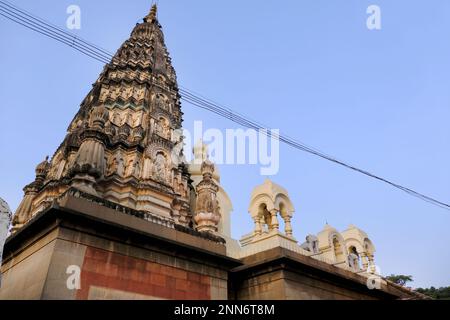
(42, 168)
(272, 196)
(270, 188)
(354, 230)
(207, 167)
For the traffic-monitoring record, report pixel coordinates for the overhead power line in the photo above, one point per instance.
(43, 27)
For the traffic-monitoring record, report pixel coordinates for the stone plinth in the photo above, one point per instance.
(120, 256)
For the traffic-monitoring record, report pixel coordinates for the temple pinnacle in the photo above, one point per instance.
(152, 15)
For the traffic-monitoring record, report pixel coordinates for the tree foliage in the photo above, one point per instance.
(443, 293)
(399, 279)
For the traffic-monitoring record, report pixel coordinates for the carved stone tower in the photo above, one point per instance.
(124, 145)
(207, 210)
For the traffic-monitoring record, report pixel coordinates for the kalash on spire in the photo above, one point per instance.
(123, 147)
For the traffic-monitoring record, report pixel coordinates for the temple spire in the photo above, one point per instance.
(152, 15)
(118, 146)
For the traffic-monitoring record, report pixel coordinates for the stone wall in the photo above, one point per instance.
(281, 274)
(116, 262)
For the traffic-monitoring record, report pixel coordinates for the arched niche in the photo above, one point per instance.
(269, 201)
(339, 249)
(332, 245)
(355, 237)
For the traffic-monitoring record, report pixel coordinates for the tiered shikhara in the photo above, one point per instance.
(124, 145)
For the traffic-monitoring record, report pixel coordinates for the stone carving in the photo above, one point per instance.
(117, 119)
(353, 262)
(161, 102)
(104, 95)
(110, 129)
(311, 244)
(99, 117)
(128, 93)
(42, 169)
(75, 125)
(123, 117)
(159, 168)
(89, 165)
(177, 153)
(207, 214)
(55, 166)
(124, 132)
(137, 119)
(138, 134)
(120, 166)
(147, 169)
(182, 190)
(162, 128)
(5, 221)
(69, 164)
(133, 167)
(166, 129)
(128, 119)
(23, 212)
(113, 164)
(138, 93)
(171, 74)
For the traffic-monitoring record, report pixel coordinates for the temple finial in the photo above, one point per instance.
(152, 15)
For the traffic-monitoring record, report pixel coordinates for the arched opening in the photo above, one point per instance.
(283, 213)
(357, 261)
(265, 217)
(352, 249)
(161, 101)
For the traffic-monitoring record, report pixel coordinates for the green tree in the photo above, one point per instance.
(399, 279)
(442, 293)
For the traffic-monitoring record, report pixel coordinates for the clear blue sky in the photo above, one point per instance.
(378, 99)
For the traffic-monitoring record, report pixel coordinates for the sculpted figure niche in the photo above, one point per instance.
(166, 129)
(116, 165)
(135, 169)
(353, 262)
(129, 167)
(117, 119)
(159, 167)
(161, 101)
(162, 128)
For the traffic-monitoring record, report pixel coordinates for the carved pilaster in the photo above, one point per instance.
(207, 215)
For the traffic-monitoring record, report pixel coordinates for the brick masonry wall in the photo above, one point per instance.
(109, 270)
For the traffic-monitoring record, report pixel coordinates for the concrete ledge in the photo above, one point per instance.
(87, 216)
(291, 262)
